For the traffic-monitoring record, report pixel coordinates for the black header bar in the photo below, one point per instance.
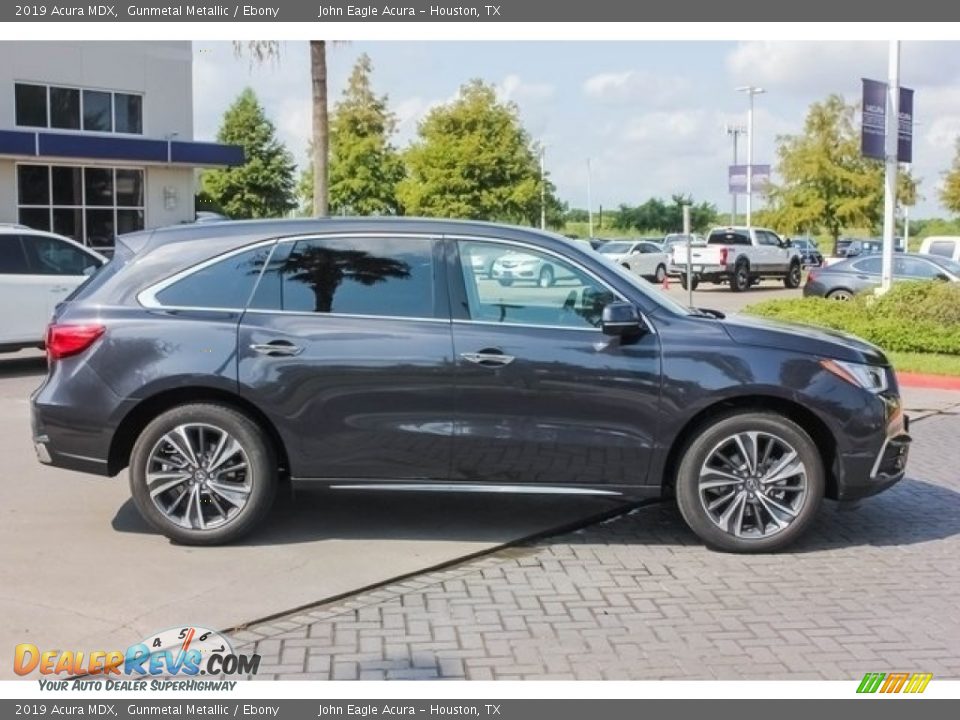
(324, 11)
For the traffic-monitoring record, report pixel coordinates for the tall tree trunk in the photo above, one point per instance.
(321, 129)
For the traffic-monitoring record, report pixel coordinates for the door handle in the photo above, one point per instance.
(59, 288)
(488, 357)
(277, 348)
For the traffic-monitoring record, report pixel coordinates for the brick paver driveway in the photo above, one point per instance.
(638, 597)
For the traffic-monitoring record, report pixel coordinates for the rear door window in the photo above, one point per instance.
(50, 256)
(869, 265)
(385, 276)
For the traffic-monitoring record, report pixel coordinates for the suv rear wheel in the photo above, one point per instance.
(793, 277)
(740, 280)
(203, 474)
(750, 482)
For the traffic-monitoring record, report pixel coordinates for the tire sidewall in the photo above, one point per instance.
(740, 272)
(695, 454)
(260, 458)
(791, 282)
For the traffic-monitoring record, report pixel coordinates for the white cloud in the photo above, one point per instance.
(635, 86)
(513, 88)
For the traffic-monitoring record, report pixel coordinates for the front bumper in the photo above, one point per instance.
(863, 475)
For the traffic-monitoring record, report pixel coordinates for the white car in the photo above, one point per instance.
(37, 271)
(641, 257)
(947, 246)
(515, 266)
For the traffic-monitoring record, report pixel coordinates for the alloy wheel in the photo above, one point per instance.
(198, 476)
(753, 485)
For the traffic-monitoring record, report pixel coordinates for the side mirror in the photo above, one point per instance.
(788, 243)
(621, 318)
(943, 276)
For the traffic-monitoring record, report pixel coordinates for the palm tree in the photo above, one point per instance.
(262, 50)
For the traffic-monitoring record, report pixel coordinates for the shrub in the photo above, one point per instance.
(912, 317)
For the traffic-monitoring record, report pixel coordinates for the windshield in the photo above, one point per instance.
(615, 248)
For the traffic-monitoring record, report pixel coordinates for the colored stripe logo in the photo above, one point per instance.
(913, 683)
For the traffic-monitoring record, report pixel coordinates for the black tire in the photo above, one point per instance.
(840, 295)
(740, 279)
(546, 278)
(506, 282)
(660, 274)
(706, 441)
(792, 279)
(260, 461)
(694, 282)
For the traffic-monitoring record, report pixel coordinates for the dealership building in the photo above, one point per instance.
(96, 138)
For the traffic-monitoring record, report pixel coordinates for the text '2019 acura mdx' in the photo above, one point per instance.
(217, 360)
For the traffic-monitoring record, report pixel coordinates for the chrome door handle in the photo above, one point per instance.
(488, 358)
(59, 288)
(277, 348)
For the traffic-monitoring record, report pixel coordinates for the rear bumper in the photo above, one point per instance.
(59, 447)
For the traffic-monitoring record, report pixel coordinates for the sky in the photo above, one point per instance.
(649, 116)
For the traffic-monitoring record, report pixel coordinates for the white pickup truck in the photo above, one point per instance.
(740, 257)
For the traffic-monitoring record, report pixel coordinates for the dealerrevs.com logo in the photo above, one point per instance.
(185, 651)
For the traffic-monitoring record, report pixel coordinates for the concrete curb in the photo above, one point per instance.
(933, 382)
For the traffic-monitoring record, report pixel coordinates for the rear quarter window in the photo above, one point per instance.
(222, 285)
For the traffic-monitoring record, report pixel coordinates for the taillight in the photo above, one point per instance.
(811, 276)
(723, 255)
(66, 340)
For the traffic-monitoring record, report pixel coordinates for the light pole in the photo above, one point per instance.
(543, 188)
(890, 175)
(751, 91)
(735, 131)
(589, 201)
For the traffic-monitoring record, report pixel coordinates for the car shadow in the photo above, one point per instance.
(14, 366)
(912, 512)
(308, 514)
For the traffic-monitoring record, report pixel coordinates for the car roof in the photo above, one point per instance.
(843, 264)
(249, 231)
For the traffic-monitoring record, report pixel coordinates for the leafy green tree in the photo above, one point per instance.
(656, 215)
(364, 166)
(950, 192)
(264, 185)
(473, 159)
(827, 185)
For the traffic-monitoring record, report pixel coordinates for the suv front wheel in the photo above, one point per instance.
(750, 482)
(203, 474)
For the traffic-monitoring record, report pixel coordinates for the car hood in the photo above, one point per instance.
(802, 338)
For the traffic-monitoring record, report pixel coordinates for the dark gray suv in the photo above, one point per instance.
(217, 361)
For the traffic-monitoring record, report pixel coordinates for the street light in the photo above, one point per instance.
(589, 201)
(543, 188)
(751, 91)
(735, 131)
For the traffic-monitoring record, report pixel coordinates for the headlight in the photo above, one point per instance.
(869, 377)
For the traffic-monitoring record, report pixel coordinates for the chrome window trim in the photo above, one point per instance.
(148, 297)
(572, 261)
(307, 313)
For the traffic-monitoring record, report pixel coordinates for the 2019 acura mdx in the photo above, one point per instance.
(216, 361)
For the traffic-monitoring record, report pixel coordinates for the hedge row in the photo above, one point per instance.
(912, 317)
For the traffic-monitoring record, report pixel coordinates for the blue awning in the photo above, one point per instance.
(21, 143)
